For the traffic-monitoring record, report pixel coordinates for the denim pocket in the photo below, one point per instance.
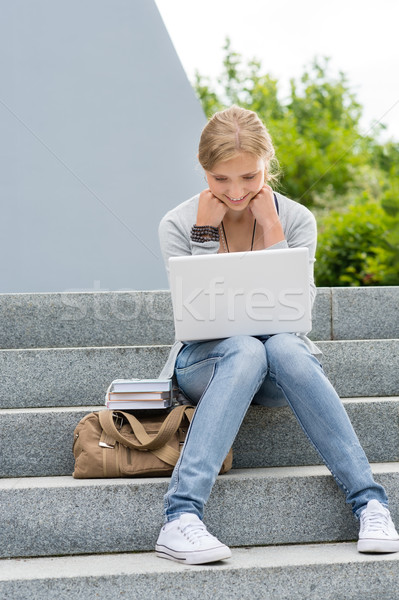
(194, 379)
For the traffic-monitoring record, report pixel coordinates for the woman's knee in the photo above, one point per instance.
(238, 359)
(245, 352)
(283, 343)
(286, 352)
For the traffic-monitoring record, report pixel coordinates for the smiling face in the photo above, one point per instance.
(237, 180)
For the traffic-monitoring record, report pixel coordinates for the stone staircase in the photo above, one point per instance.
(292, 533)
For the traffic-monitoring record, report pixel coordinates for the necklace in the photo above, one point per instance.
(224, 237)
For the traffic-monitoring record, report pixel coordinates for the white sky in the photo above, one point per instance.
(360, 36)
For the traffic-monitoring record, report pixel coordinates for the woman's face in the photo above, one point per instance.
(237, 180)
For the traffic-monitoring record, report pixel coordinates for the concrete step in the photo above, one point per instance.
(75, 319)
(72, 319)
(314, 572)
(354, 367)
(250, 507)
(80, 376)
(105, 319)
(72, 376)
(365, 312)
(38, 442)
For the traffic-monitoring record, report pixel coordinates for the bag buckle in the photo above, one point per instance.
(118, 420)
(105, 445)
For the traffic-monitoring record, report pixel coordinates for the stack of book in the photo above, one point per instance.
(139, 394)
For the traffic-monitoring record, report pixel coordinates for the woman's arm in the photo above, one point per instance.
(174, 233)
(264, 210)
(301, 232)
(297, 222)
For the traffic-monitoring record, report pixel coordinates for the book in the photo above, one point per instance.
(138, 394)
(138, 405)
(143, 396)
(141, 385)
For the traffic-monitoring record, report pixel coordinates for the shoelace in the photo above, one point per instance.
(194, 531)
(375, 521)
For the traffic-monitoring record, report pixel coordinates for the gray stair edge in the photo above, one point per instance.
(294, 572)
(364, 312)
(102, 318)
(249, 507)
(65, 319)
(82, 375)
(43, 446)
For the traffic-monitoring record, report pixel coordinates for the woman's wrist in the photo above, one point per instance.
(273, 233)
(204, 233)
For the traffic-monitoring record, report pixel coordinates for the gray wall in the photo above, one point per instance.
(99, 129)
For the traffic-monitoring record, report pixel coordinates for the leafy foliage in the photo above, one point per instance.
(390, 243)
(348, 245)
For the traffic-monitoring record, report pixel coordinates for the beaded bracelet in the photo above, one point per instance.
(204, 233)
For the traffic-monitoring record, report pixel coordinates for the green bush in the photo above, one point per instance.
(350, 248)
(390, 243)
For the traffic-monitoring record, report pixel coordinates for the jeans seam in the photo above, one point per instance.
(176, 472)
(261, 379)
(337, 479)
(177, 468)
(198, 364)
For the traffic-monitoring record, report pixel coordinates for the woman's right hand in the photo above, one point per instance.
(211, 210)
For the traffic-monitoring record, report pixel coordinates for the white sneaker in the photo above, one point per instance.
(377, 531)
(187, 540)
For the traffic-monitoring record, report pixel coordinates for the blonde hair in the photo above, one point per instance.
(232, 131)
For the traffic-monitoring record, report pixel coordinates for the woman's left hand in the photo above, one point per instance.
(263, 207)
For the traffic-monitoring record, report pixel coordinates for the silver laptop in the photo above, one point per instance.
(240, 293)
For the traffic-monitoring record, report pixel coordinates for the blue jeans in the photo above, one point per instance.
(222, 377)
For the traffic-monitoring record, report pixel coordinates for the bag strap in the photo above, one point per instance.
(168, 454)
(167, 429)
(164, 452)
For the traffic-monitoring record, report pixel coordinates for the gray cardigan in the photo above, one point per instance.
(299, 226)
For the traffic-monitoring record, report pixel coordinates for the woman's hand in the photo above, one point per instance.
(211, 210)
(263, 208)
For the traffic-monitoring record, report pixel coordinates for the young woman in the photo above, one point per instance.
(239, 212)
